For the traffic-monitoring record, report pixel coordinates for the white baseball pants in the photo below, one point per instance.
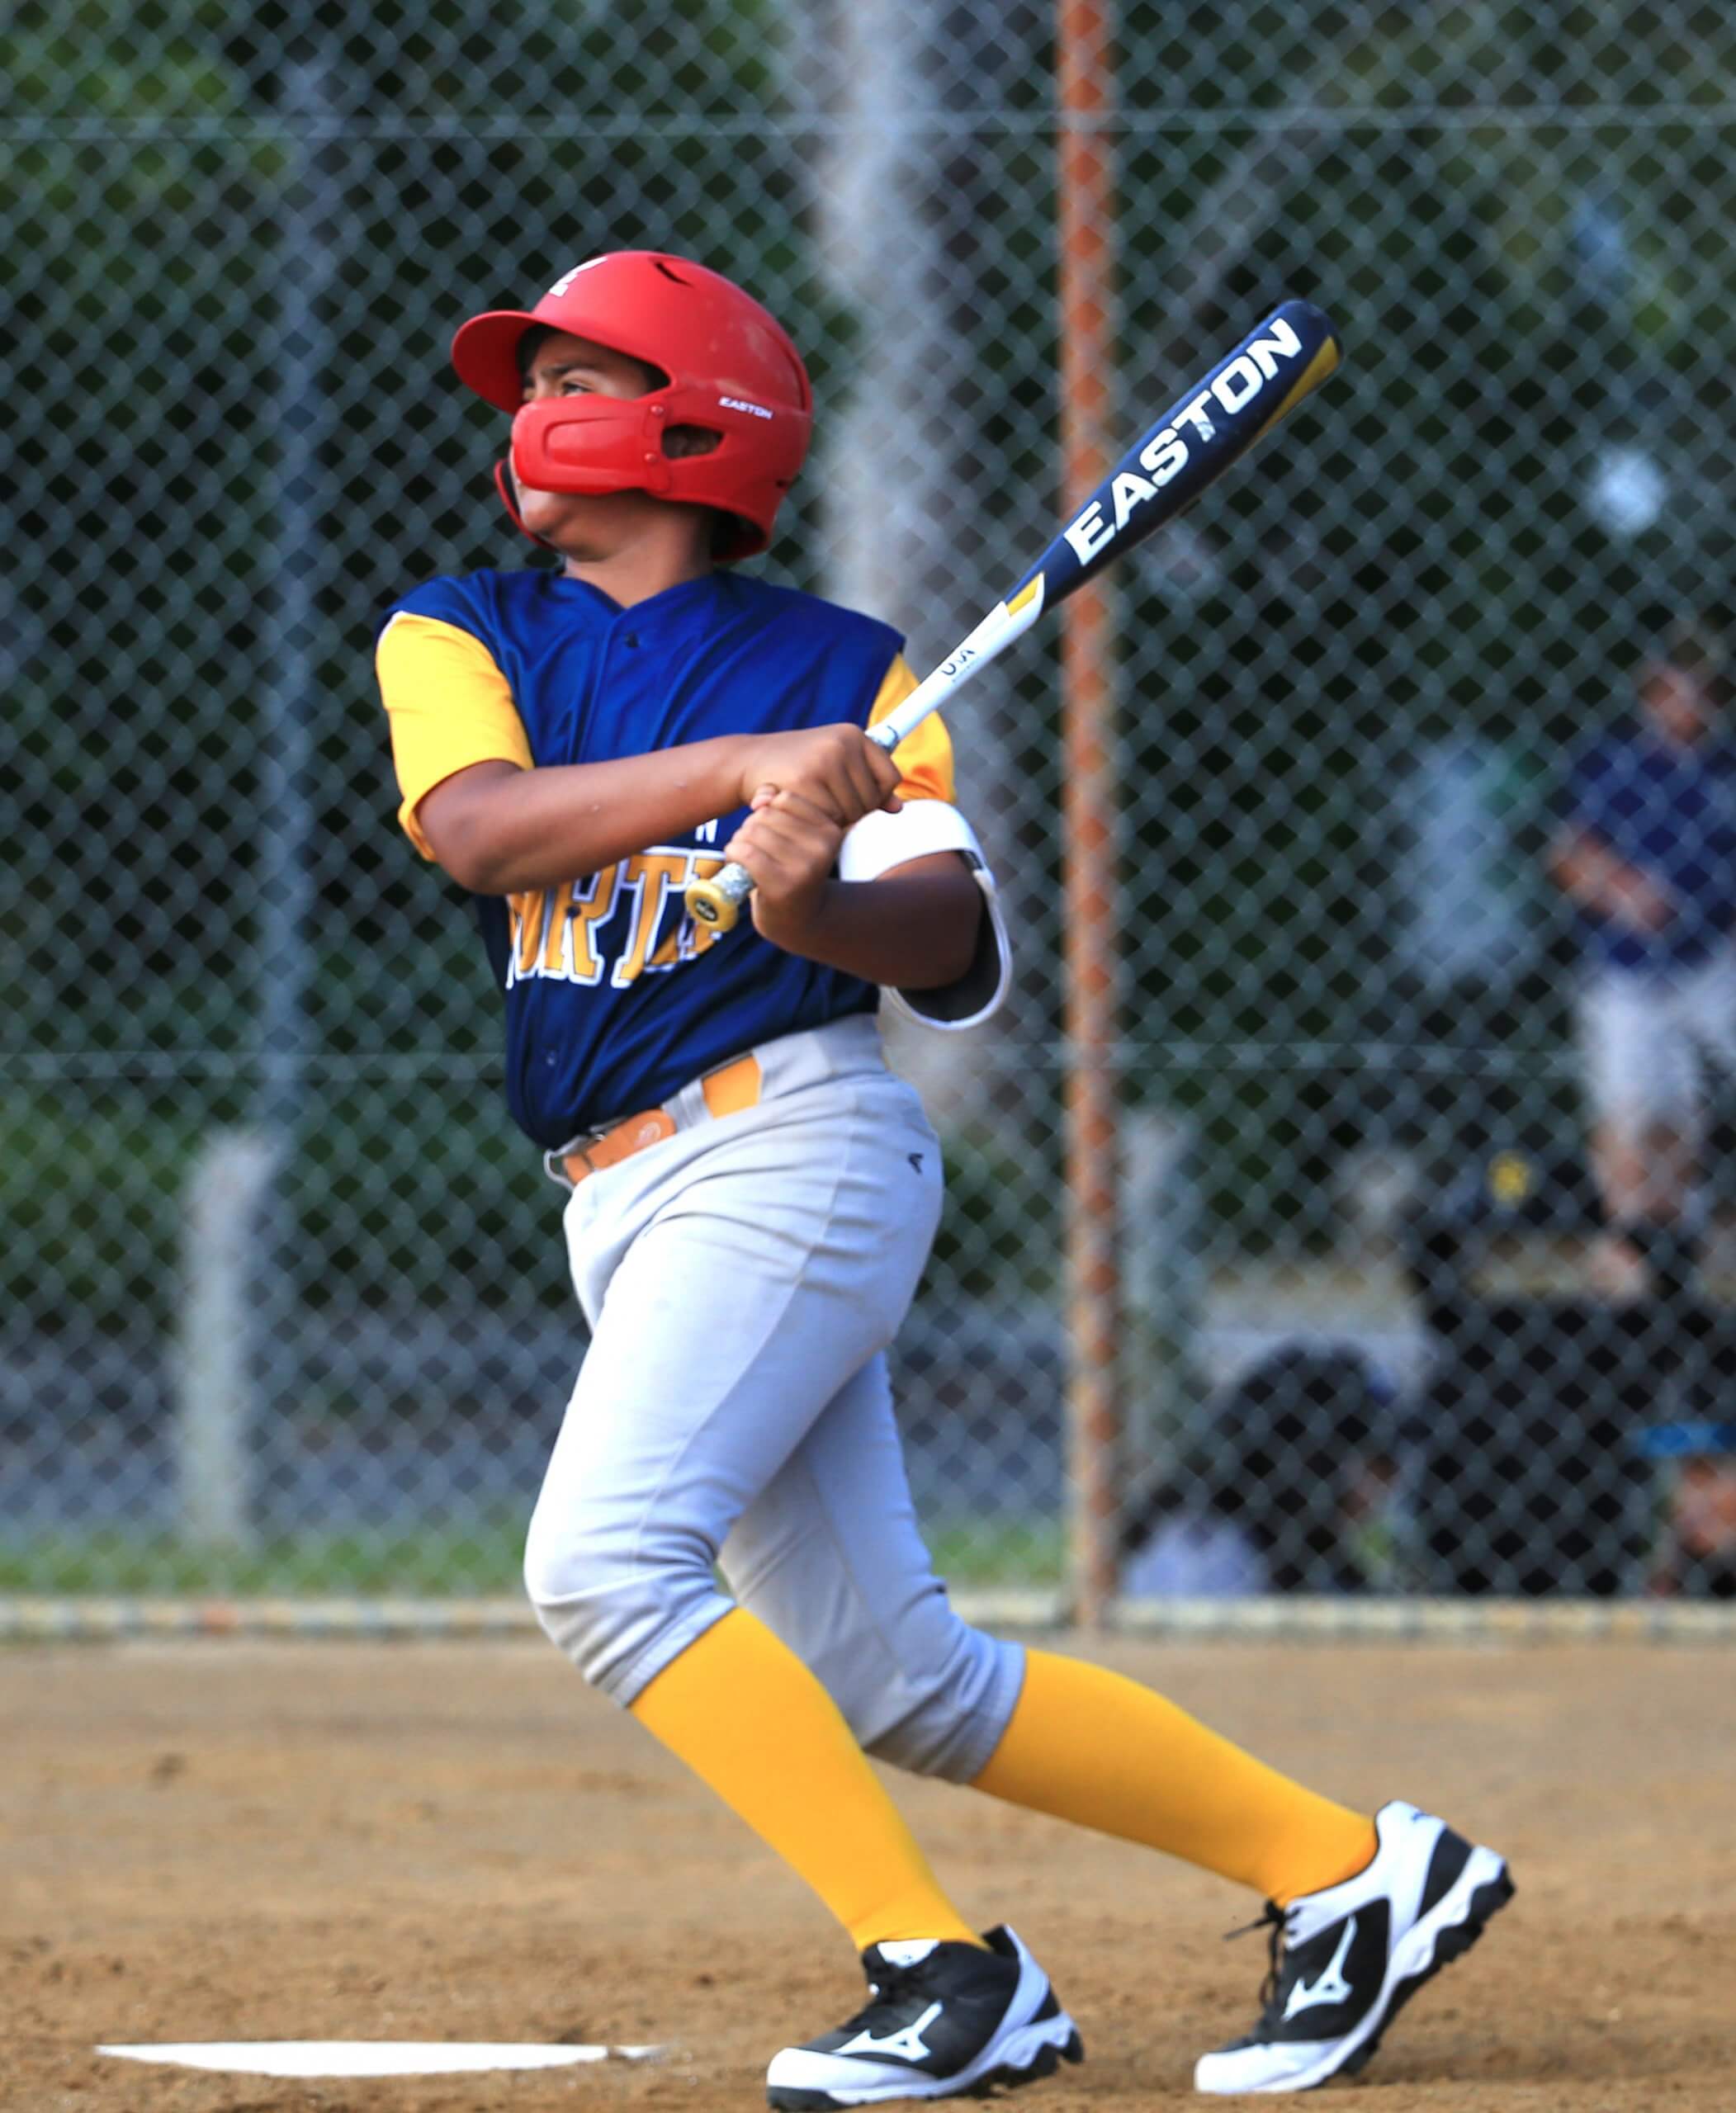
(741, 1280)
(1647, 1036)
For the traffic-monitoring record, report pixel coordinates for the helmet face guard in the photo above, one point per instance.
(594, 444)
(731, 371)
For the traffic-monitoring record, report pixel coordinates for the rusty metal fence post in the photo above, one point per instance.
(1086, 214)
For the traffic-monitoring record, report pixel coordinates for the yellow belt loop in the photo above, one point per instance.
(736, 1086)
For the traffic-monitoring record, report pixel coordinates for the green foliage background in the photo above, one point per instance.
(154, 153)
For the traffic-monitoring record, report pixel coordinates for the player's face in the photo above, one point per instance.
(565, 365)
(1679, 705)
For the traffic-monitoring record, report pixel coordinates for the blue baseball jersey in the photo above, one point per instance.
(1672, 813)
(614, 997)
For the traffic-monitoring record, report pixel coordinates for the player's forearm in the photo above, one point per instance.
(909, 931)
(499, 830)
(1592, 876)
(1583, 871)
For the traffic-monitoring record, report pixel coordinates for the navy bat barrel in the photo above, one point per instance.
(1213, 425)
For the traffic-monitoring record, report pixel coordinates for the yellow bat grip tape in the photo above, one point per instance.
(717, 903)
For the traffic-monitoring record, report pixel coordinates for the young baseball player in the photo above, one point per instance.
(752, 1196)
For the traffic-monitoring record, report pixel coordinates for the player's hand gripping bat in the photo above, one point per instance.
(1214, 424)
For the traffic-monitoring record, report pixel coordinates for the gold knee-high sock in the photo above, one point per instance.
(1091, 1746)
(753, 1723)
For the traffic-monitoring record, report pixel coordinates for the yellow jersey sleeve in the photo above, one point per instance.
(924, 758)
(448, 705)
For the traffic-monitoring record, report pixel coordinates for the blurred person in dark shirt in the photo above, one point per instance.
(1646, 852)
(1294, 1488)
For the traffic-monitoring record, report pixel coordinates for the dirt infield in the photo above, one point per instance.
(243, 1841)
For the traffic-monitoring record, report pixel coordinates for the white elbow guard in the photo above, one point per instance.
(881, 841)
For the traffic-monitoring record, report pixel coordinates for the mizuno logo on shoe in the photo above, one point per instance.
(906, 2044)
(1332, 1987)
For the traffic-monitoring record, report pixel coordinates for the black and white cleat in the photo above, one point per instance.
(943, 2021)
(1345, 1960)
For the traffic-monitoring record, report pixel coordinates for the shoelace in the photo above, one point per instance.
(1277, 1920)
(897, 1980)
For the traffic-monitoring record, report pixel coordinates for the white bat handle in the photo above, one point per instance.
(717, 902)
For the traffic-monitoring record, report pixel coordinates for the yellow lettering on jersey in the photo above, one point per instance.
(557, 906)
(558, 933)
(575, 911)
(650, 875)
(525, 915)
(687, 939)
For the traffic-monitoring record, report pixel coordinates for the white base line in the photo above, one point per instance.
(370, 2057)
(1289, 1618)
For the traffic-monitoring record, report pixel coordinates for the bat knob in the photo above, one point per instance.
(717, 903)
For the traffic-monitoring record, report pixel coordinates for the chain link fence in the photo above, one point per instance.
(284, 1305)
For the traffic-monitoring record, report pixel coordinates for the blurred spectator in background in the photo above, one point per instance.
(1696, 1554)
(1294, 1489)
(1647, 854)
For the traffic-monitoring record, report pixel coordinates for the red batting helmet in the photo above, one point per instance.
(729, 368)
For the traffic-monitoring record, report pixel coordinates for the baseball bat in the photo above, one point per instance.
(1213, 425)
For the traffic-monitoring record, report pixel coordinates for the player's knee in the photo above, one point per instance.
(609, 1597)
(946, 1711)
